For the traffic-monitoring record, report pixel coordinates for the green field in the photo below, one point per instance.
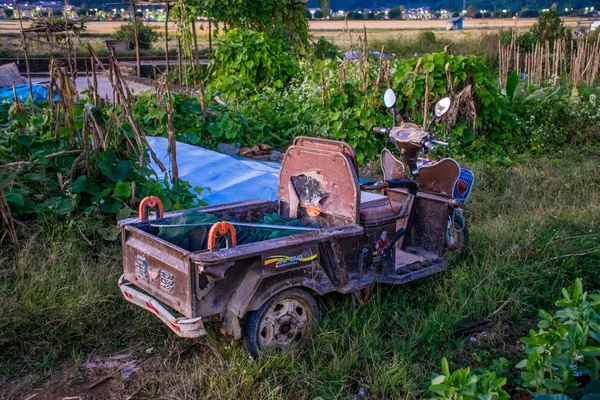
(535, 226)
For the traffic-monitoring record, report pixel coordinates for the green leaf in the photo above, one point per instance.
(79, 185)
(26, 140)
(20, 118)
(122, 190)
(445, 368)
(60, 205)
(512, 82)
(14, 198)
(33, 176)
(438, 379)
(438, 388)
(591, 351)
(553, 384)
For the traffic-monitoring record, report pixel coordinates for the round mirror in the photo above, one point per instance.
(389, 98)
(442, 106)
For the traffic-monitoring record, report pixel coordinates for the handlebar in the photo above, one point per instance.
(429, 145)
(384, 131)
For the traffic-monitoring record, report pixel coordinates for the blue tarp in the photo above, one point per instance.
(40, 93)
(225, 178)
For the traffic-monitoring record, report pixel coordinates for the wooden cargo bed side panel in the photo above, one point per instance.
(159, 268)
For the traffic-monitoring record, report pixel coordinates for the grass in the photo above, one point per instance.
(530, 223)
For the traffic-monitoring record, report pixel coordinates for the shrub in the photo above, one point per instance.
(324, 49)
(146, 35)
(427, 38)
(462, 384)
(246, 61)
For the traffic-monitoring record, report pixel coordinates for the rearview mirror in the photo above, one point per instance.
(442, 106)
(389, 98)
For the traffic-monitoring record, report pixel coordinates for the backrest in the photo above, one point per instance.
(327, 144)
(319, 184)
(392, 167)
(439, 178)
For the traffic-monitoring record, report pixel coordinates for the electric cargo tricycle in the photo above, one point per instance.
(339, 236)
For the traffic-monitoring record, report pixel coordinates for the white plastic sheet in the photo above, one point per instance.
(225, 179)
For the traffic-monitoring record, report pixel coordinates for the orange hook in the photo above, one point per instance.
(219, 229)
(150, 202)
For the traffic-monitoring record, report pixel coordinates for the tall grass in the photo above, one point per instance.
(530, 226)
(424, 42)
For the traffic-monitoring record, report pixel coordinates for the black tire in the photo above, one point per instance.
(267, 329)
(461, 232)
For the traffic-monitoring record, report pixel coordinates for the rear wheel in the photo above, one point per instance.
(283, 322)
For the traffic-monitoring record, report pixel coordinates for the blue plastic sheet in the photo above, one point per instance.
(40, 93)
(225, 179)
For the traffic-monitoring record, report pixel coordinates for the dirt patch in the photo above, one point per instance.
(113, 377)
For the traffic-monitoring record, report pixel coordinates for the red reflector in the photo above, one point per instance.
(462, 187)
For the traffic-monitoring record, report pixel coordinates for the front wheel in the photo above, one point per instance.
(283, 322)
(457, 234)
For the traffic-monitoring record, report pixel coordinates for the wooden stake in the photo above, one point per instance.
(24, 42)
(137, 41)
(167, 39)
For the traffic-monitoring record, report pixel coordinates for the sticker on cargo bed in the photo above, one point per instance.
(284, 261)
(141, 267)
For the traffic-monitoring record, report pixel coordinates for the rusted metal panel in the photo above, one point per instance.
(159, 268)
(392, 168)
(335, 177)
(331, 145)
(439, 178)
(289, 242)
(427, 225)
(313, 278)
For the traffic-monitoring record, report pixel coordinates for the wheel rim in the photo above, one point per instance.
(286, 324)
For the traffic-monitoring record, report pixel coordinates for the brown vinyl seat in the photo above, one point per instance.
(379, 210)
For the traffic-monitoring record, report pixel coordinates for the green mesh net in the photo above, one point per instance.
(190, 230)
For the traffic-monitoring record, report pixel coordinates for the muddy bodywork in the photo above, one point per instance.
(318, 185)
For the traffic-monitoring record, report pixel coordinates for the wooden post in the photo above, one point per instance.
(210, 36)
(196, 52)
(180, 60)
(137, 42)
(25, 50)
(167, 39)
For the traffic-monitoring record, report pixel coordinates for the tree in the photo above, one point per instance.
(455, 14)
(527, 13)
(9, 12)
(82, 12)
(354, 15)
(146, 35)
(318, 14)
(396, 12)
(471, 11)
(308, 14)
(549, 26)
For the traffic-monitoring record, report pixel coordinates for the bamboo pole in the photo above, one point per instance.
(210, 36)
(24, 42)
(196, 51)
(137, 41)
(167, 39)
(179, 61)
